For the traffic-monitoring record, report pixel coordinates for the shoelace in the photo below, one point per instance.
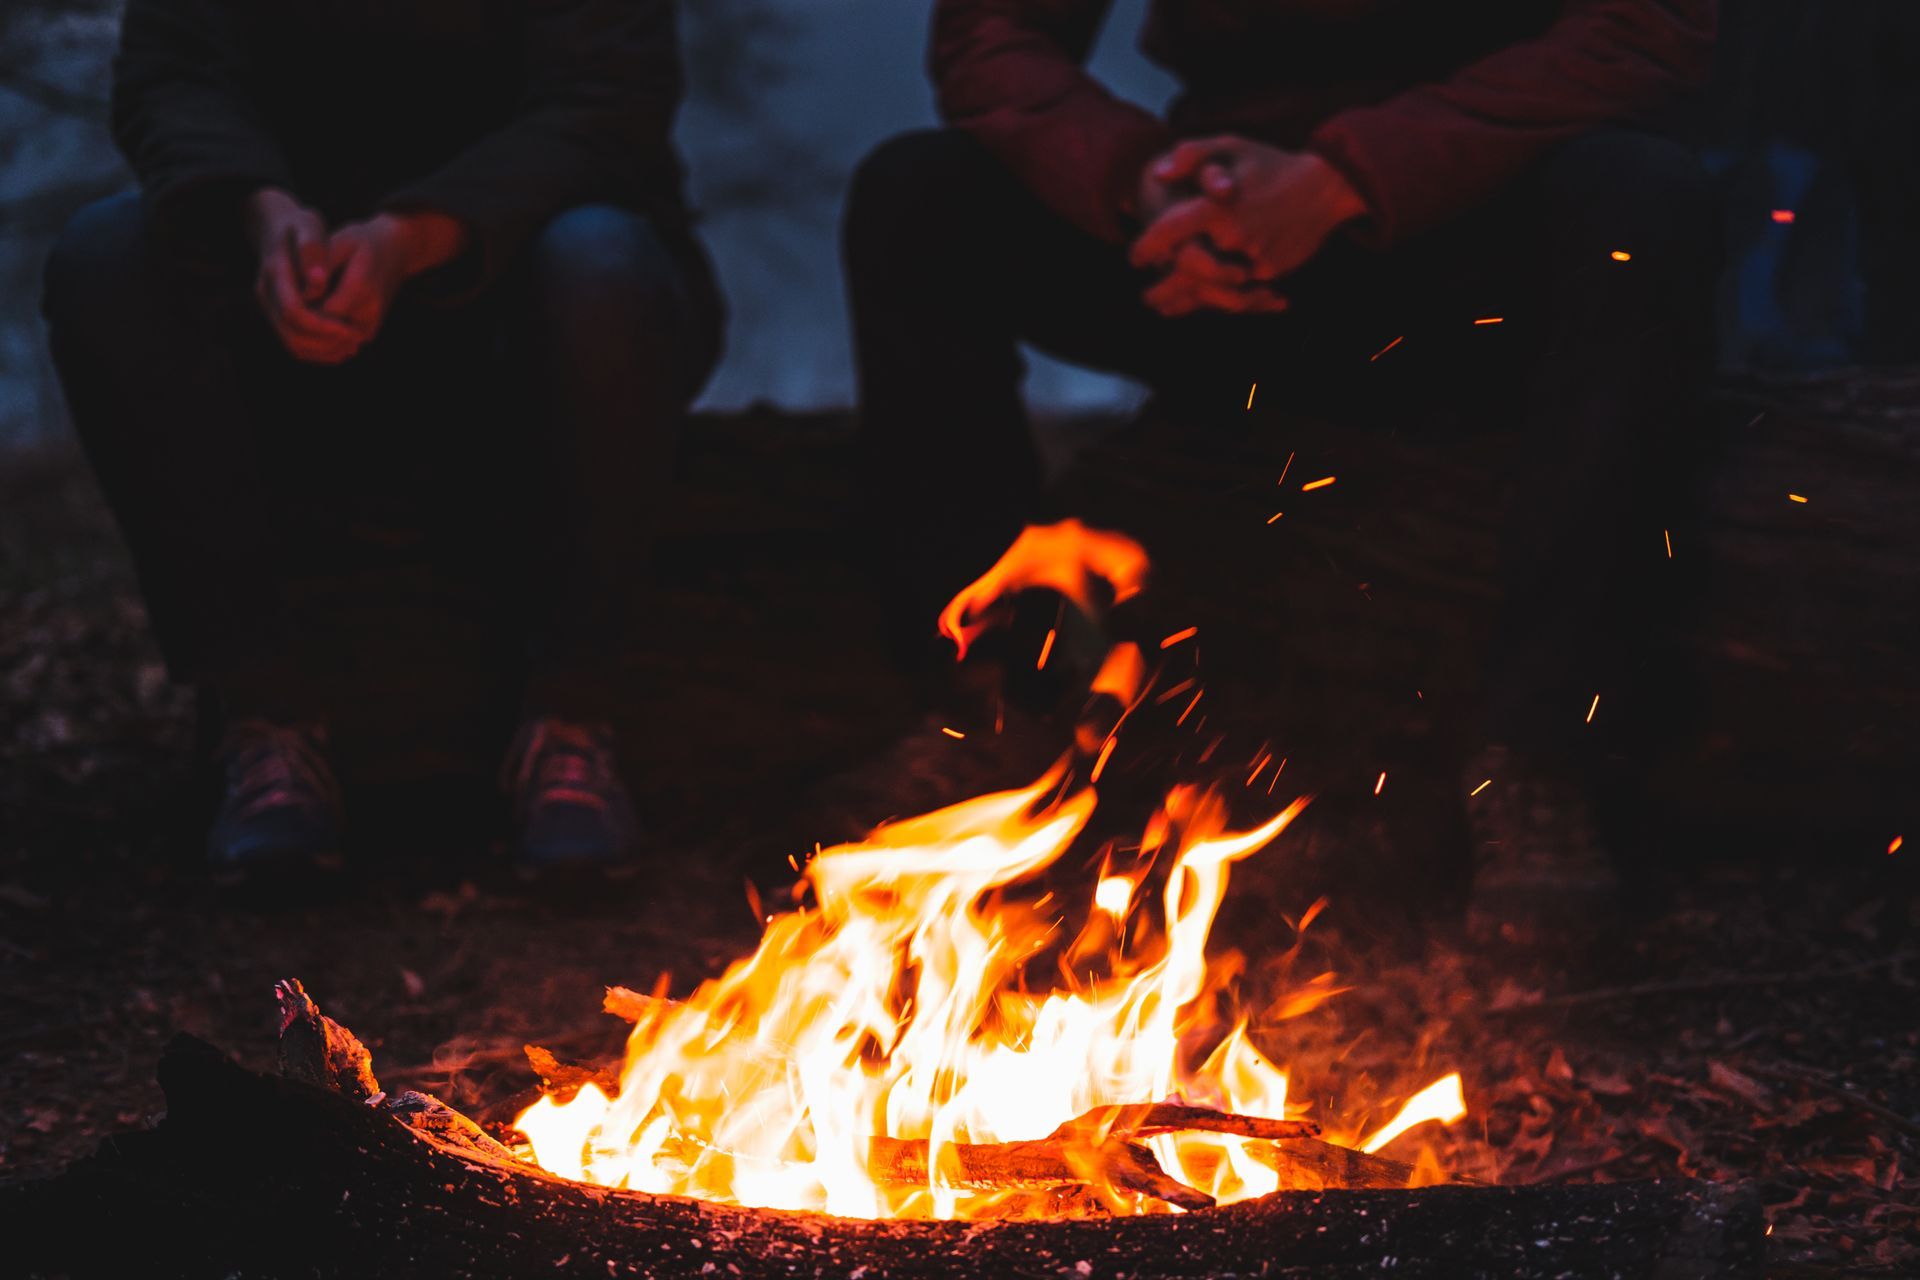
(281, 768)
(563, 764)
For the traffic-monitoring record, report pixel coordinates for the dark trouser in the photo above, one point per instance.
(951, 264)
(529, 431)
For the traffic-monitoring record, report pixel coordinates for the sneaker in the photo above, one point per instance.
(1540, 869)
(570, 808)
(281, 803)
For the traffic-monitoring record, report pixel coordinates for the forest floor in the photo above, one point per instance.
(1753, 1015)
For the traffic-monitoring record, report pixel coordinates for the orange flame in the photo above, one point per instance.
(896, 1005)
(1067, 557)
(898, 1000)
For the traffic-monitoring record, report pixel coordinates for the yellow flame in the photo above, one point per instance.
(1442, 1100)
(896, 1004)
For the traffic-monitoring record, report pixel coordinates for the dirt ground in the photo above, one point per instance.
(1753, 1014)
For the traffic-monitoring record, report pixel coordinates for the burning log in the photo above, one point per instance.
(1172, 1117)
(316, 1050)
(259, 1175)
(1116, 1165)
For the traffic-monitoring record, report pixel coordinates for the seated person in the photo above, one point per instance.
(435, 248)
(1336, 175)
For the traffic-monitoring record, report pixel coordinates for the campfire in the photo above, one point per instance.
(951, 1024)
(883, 1052)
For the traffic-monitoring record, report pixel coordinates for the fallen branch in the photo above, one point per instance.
(1792, 1072)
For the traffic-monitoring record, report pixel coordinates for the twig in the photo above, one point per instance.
(1694, 986)
(1798, 1074)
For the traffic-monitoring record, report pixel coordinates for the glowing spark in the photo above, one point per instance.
(1176, 691)
(1794, 497)
(952, 733)
(1783, 216)
(1621, 255)
(1178, 636)
(1380, 783)
(1321, 483)
(1441, 1100)
(1893, 846)
(1250, 390)
(1482, 787)
(1046, 650)
(1190, 706)
(1491, 320)
(1668, 535)
(1595, 707)
(1101, 763)
(1275, 516)
(1288, 467)
(1390, 346)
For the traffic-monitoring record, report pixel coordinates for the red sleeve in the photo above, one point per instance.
(1437, 150)
(1010, 73)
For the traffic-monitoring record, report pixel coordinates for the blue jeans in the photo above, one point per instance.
(529, 431)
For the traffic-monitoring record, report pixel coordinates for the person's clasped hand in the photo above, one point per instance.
(327, 293)
(290, 242)
(1227, 218)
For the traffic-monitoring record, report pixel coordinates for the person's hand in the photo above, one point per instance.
(1199, 278)
(368, 261)
(290, 245)
(1250, 205)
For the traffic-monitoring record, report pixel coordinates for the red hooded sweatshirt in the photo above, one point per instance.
(1427, 106)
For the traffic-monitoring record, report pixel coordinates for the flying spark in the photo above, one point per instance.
(1101, 763)
(1321, 483)
(1178, 636)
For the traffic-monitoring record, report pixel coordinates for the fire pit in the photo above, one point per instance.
(675, 1162)
(962, 1051)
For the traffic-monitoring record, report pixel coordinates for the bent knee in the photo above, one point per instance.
(914, 180)
(97, 261)
(601, 248)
